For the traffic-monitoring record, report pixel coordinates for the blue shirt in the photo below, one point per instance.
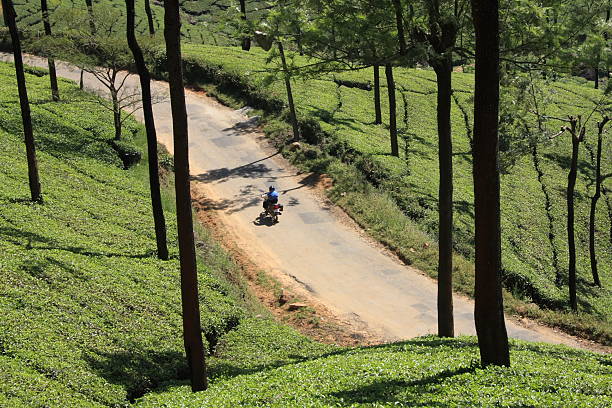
(272, 194)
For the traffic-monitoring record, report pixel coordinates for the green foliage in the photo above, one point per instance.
(204, 21)
(90, 316)
(534, 238)
(422, 372)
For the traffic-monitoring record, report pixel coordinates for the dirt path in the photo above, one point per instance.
(311, 248)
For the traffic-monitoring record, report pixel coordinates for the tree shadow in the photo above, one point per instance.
(389, 390)
(138, 370)
(34, 241)
(254, 169)
(331, 119)
(248, 196)
(565, 160)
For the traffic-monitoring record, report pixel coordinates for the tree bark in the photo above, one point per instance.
(392, 110)
(81, 83)
(399, 21)
(377, 110)
(194, 347)
(9, 19)
(443, 69)
(149, 13)
(292, 113)
(50, 61)
(92, 24)
(246, 40)
(147, 109)
(116, 113)
(577, 134)
(594, 199)
(488, 310)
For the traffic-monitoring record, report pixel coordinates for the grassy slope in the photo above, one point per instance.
(205, 21)
(425, 372)
(347, 114)
(89, 314)
(90, 317)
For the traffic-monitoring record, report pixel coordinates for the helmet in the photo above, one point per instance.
(271, 188)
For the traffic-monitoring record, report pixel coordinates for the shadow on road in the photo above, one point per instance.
(254, 169)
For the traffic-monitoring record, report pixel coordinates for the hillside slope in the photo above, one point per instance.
(533, 185)
(89, 315)
(204, 21)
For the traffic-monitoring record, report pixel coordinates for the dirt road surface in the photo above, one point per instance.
(311, 248)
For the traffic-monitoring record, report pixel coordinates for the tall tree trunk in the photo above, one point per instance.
(399, 20)
(577, 134)
(377, 110)
(392, 110)
(194, 347)
(596, 80)
(246, 40)
(594, 199)
(50, 61)
(92, 24)
(292, 113)
(147, 109)
(92, 28)
(149, 18)
(116, 114)
(443, 69)
(488, 310)
(9, 20)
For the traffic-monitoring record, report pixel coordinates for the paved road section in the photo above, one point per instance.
(311, 245)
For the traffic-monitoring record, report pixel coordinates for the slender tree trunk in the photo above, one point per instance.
(606, 35)
(298, 39)
(147, 109)
(194, 347)
(399, 20)
(50, 61)
(92, 28)
(596, 80)
(392, 110)
(577, 132)
(246, 40)
(594, 199)
(334, 49)
(377, 110)
(445, 198)
(149, 13)
(9, 19)
(488, 310)
(92, 24)
(294, 122)
(116, 114)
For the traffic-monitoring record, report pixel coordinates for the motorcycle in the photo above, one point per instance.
(272, 211)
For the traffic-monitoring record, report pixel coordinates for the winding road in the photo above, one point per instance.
(311, 246)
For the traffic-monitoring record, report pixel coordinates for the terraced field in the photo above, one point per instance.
(533, 188)
(204, 21)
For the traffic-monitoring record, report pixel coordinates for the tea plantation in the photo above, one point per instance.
(338, 120)
(206, 21)
(90, 317)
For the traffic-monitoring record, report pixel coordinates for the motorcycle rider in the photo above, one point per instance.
(271, 198)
